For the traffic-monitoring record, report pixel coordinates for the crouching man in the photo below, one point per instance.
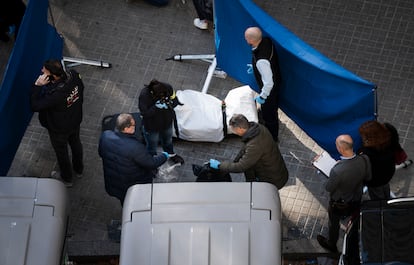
(126, 161)
(259, 158)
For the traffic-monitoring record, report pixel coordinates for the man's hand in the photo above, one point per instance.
(259, 100)
(214, 163)
(42, 80)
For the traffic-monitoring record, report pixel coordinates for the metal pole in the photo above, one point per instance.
(77, 61)
(181, 57)
(210, 73)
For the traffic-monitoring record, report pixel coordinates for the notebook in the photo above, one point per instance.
(324, 163)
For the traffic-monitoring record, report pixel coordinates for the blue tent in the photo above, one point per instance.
(323, 98)
(36, 42)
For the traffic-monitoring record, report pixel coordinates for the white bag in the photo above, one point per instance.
(240, 100)
(200, 118)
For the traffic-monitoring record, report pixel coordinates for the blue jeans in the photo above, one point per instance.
(153, 138)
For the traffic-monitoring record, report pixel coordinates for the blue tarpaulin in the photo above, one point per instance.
(37, 41)
(321, 97)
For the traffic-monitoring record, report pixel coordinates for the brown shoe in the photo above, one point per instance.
(326, 244)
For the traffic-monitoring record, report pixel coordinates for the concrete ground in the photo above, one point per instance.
(373, 39)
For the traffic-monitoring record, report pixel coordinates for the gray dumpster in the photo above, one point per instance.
(201, 223)
(33, 218)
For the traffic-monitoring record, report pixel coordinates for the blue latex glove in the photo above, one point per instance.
(166, 154)
(160, 105)
(259, 100)
(214, 163)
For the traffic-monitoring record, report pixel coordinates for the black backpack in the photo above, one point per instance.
(205, 173)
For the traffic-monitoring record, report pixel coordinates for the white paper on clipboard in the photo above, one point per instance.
(324, 163)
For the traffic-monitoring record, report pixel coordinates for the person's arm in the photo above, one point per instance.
(146, 105)
(247, 158)
(41, 100)
(332, 183)
(146, 160)
(265, 70)
(368, 170)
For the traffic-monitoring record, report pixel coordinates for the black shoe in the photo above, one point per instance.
(326, 244)
(176, 159)
(56, 175)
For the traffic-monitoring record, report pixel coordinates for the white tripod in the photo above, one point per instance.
(212, 69)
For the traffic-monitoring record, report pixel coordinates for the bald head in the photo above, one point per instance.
(253, 36)
(345, 145)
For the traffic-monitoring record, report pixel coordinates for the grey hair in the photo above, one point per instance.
(240, 121)
(123, 121)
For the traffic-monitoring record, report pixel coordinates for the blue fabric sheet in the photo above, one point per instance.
(320, 96)
(37, 41)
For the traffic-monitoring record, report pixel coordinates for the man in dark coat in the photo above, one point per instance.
(267, 74)
(58, 97)
(344, 185)
(126, 161)
(259, 158)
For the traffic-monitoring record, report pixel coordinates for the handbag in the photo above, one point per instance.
(205, 173)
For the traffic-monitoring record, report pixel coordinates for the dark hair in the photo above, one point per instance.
(158, 89)
(395, 137)
(374, 134)
(55, 68)
(239, 121)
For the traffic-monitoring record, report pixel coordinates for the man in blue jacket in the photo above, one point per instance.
(126, 161)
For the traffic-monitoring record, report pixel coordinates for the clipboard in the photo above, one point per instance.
(324, 163)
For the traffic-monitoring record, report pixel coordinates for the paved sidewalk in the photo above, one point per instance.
(373, 39)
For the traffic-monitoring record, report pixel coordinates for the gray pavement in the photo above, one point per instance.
(374, 39)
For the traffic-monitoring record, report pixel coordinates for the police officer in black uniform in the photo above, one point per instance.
(58, 96)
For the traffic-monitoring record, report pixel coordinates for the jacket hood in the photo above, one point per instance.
(252, 132)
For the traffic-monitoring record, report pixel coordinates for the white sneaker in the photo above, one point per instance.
(201, 24)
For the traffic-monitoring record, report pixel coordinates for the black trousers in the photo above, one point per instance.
(60, 143)
(337, 212)
(204, 9)
(270, 115)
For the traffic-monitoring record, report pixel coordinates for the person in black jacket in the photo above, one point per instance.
(58, 97)
(126, 161)
(376, 144)
(267, 74)
(156, 104)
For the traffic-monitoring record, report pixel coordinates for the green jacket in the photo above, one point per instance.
(259, 158)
